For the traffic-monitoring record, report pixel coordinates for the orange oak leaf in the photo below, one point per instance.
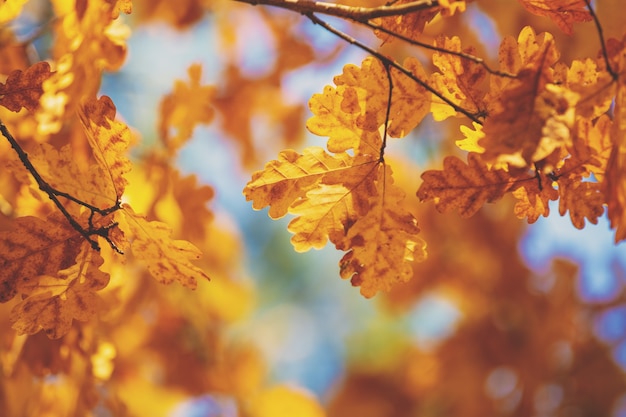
(54, 301)
(35, 247)
(24, 88)
(359, 104)
(329, 210)
(458, 79)
(590, 149)
(188, 105)
(465, 187)
(582, 200)
(166, 259)
(288, 178)
(615, 180)
(592, 84)
(564, 13)
(382, 243)
(534, 199)
(409, 25)
(109, 140)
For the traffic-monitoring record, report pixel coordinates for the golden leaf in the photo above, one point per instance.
(287, 179)
(53, 301)
(564, 13)
(533, 199)
(109, 141)
(458, 79)
(35, 247)
(24, 88)
(382, 243)
(188, 105)
(166, 259)
(470, 143)
(464, 187)
(582, 200)
(282, 400)
(10, 9)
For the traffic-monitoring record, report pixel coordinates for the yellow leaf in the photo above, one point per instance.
(470, 143)
(166, 259)
(382, 243)
(35, 247)
(109, 141)
(188, 105)
(458, 79)
(54, 301)
(287, 179)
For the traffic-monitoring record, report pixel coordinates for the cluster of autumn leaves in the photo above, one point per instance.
(535, 127)
(540, 131)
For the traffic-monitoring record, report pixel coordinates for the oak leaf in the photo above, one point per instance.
(615, 179)
(188, 105)
(109, 140)
(534, 199)
(359, 104)
(54, 301)
(35, 247)
(582, 200)
(24, 88)
(465, 187)
(166, 259)
(564, 13)
(458, 79)
(288, 178)
(382, 243)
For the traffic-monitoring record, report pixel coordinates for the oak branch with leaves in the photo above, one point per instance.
(531, 125)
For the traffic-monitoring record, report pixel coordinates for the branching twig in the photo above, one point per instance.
(390, 62)
(361, 14)
(54, 195)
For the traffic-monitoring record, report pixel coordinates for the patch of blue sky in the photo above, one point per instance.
(432, 319)
(602, 264)
(484, 28)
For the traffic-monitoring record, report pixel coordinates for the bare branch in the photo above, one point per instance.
(360, 14)
(601, 36)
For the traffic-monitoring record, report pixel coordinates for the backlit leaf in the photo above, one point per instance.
(466, 187)
(564, 13)
(54, 301)
(166, 259)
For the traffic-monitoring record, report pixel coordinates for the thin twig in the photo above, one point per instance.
(54, 195)
(381, 158)
(605, 53)
(424, 45)
(388, 61)
(362, 14)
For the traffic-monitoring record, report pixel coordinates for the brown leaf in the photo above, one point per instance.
(564, 13)
(464, 187)
(53, 302)
(24, 88)
(35, 247)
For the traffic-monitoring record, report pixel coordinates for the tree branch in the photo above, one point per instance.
(360, 14)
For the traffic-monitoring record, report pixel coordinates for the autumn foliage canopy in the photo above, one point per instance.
(95, 215)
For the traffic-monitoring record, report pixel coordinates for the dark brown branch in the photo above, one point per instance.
(54, 195)
(605, 54)
(361, 14)
(381, 158)
(390, 62)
